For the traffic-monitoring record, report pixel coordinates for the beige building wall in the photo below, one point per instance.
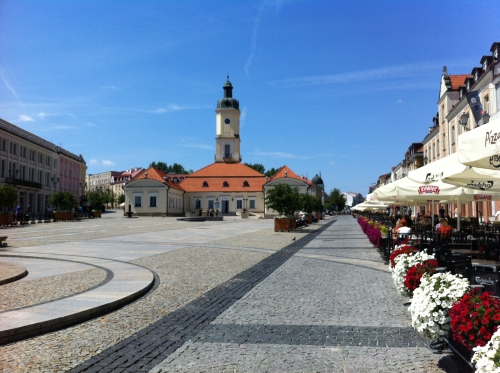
(148, 197)
(253, 201)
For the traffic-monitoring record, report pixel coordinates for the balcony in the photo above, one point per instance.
(25, 183)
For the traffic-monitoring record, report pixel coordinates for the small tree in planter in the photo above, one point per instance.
(8, 198)
(96, 199)
(285, 200)
(64, 203)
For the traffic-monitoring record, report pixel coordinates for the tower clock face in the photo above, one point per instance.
(227, 120)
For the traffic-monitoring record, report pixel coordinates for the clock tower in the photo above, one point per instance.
(227, 127)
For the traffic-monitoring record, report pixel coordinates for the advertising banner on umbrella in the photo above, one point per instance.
(480, 147)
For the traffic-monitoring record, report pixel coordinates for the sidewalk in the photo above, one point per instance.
(323, 304)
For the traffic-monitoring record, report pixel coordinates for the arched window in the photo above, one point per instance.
(205, 184)
(225, 184)
(227, 151)
(245, 184)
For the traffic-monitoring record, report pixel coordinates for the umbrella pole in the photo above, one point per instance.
(458, 214)
(432, 214)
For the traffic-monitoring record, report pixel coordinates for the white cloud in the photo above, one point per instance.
(278, 155)
(332, 163)
(90, 124)
(199, 146)
(6, 82)
(63, 127)
(25, 118)
(108, 163)
(92, 162)
(110, 87)
(42, 115)
(399, 101)
(383, 73)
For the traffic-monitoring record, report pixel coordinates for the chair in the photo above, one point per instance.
(459, 265)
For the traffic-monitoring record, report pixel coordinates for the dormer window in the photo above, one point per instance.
(245, 184)
(205, 184)
(225, 184)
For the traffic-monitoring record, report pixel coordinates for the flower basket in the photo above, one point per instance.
(403, 263)
(474, 319)
(487, 358)
(282, 225)
(432, 301)
(6, 219)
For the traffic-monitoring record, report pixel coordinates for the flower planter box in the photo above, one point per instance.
(460, 350)
(244, 214)
(6, 219)
(96, 214)
(63, 216)
(309, 219)
(282, 225)
(293, 223)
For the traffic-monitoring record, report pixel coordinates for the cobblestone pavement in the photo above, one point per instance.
(315, 315)
(239, 298)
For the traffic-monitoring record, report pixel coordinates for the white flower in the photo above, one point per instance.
(432, 301)
(403, 263)
(484, 357)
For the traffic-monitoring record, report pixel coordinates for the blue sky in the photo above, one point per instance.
(341, 87)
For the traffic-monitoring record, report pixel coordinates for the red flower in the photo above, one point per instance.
(415, 273)
(474, 318)
(402, 250)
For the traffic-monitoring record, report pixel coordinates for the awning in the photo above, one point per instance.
(480, 147)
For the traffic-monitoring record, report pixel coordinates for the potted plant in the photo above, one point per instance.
(432, 301)
(97, 200)
(64, 205)
(474, 319)
(487, 358)
(415, 273)
(285, 201)
(8, 198)
(403, 263)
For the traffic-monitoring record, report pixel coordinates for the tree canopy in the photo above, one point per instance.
(175, 168)
(284, 199)
(256, 166)
(271, 172)
(336, 200)
(63, 201)
(8, 197)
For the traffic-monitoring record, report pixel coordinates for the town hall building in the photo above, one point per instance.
(226, 186)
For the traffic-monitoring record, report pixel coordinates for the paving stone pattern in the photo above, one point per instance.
(145, 349)
(315, 315)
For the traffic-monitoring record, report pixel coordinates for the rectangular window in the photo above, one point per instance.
(2, 170)
(137, 201)
(210, 203)
(152, 200)
(239, 203)
(251, 203)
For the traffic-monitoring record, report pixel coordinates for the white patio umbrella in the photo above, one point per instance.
(451, 171)
(480, 147)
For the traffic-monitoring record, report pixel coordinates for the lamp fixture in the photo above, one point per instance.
(486, 118)
(464, 119)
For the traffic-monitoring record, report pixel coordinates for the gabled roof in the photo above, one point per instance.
(226, 169)
(216, 174)
(157, 175)
(458, 80)
(286, 171)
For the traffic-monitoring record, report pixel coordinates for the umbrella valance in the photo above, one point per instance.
(480, 147)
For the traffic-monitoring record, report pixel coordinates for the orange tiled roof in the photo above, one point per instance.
(157, 175)
(226, 169)
(215, 174)
(289, 173)
(458, 80)
(216, 184)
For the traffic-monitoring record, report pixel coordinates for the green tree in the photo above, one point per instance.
(120, 199)
(336, 200)
(284, 199)
(256, 166)
(63, 201)
(175, 168)
(310, 203)
(271, 172)
(97, 199)
(8, 197)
